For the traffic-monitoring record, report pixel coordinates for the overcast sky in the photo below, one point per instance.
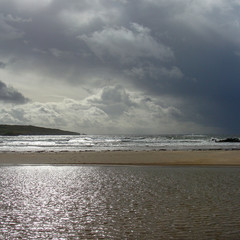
(121, 66)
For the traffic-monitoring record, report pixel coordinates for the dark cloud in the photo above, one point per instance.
(185, 53)
(11, 95)
(3, 65)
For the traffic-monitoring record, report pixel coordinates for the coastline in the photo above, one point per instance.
(160, 158)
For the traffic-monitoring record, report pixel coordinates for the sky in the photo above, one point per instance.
(121, 66)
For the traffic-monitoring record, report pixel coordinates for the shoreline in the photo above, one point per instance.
(158, 158)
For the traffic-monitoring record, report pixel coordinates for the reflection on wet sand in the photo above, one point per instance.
(107, 202)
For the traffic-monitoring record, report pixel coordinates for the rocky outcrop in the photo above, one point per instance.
(226, 140)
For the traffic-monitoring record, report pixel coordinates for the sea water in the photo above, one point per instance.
(112, 142)
(109, 202)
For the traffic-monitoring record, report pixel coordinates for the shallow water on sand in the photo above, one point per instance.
(113, 202)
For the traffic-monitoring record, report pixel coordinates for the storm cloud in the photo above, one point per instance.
(11, 95)
(2, 65)
(180, 58)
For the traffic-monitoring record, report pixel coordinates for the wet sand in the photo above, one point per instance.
(164, 158)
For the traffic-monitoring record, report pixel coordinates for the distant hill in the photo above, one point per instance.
(15, 130)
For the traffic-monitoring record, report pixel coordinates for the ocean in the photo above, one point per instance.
(119, 202)
(113, 142)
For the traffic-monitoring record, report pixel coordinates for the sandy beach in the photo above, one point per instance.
(164, 158)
